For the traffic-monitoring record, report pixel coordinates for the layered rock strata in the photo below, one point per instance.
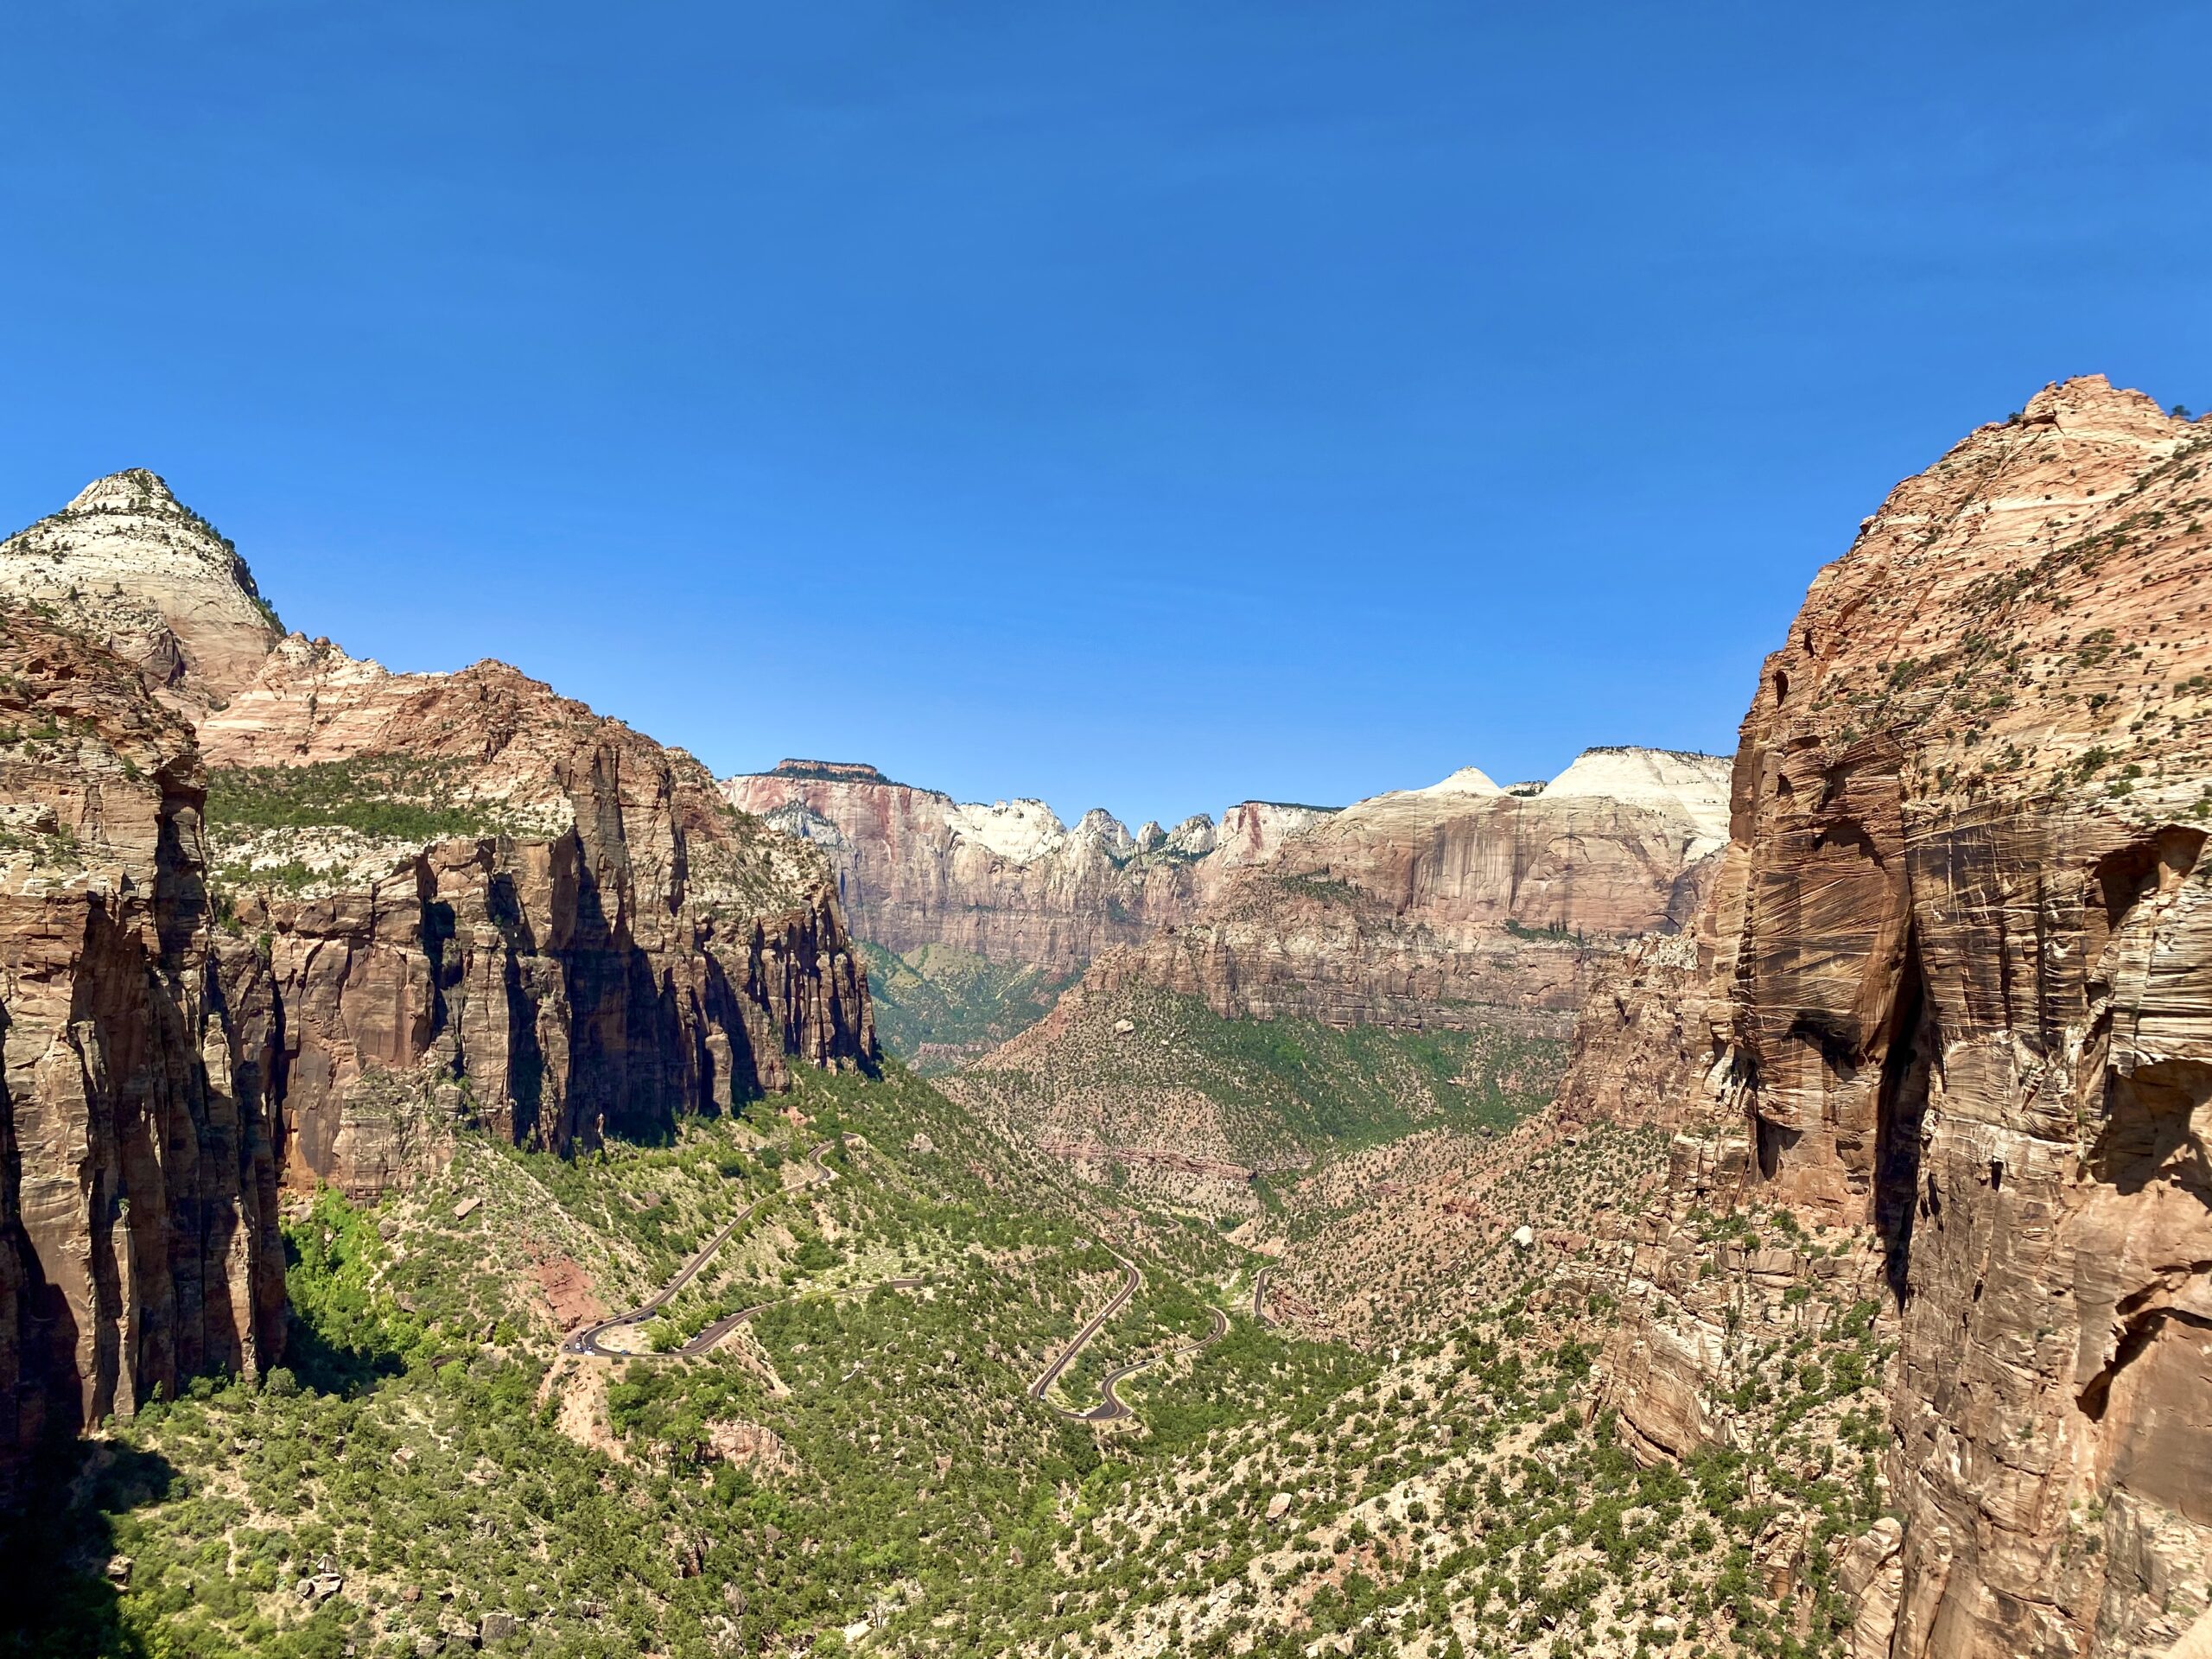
(1458, 904)
(1955, 988)
(1008, 882)
(607, 947)
(138, 1240)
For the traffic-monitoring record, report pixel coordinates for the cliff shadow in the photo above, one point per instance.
(1901, 1104)
(525, 1054)
(60, 1577)
(333, 1349)
(47, 1393)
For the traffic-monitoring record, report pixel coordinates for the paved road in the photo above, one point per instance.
(587, 1341)
(1111, 1408)
(1260, 1296)
(1114, 1304)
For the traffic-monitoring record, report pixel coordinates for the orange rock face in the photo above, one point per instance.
(1957, 986)
(138, 1240)
(1637, 1050)
(623, 951)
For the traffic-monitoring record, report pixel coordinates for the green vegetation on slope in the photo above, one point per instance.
(935, 1004)
(1265, 1091)
(1334, 1089)
(400, 797)
(862, 1468)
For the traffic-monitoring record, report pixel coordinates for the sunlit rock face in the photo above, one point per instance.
(1460, 903)
(1009, 881)
(127, 563)
(608, 947)
(1956, 985)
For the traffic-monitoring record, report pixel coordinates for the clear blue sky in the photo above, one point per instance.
(1144, 404)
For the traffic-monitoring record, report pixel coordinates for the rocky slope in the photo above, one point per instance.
(127, 564)
(1955, 990)
(1009, 883)
(138, 1239)
(1456, 905)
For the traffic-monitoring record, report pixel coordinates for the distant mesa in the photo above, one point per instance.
(827, 771)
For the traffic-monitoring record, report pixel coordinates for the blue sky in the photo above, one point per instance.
(1149, 405)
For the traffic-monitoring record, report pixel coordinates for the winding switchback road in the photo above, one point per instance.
(586, 1340)
(1111, 1408)
(1115, 1304)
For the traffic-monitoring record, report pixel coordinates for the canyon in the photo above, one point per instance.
(1456, 904)
(1819, 1131)
(1437, 941)
(277, 917)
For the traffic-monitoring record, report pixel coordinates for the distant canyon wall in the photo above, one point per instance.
(1458, 904)
(1009, 882)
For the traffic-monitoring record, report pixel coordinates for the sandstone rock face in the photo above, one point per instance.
(1956, 985)
(129, 565)
(138, 1239)
(1008, 882)
(1461, 908)
(1637, 1053)
(1461, 903)
(610, 946)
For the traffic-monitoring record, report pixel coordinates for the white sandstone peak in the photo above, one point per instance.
(1100, 826)
(1018, 831)
(132, 490)
(128, 564)
(1698, 783)
(1193, 838)
(1468, 780)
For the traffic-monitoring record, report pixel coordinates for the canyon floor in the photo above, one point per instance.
(866, 1462)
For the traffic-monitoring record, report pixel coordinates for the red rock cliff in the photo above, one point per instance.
(611, 947)
(1956, 985)
(137, 1187)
